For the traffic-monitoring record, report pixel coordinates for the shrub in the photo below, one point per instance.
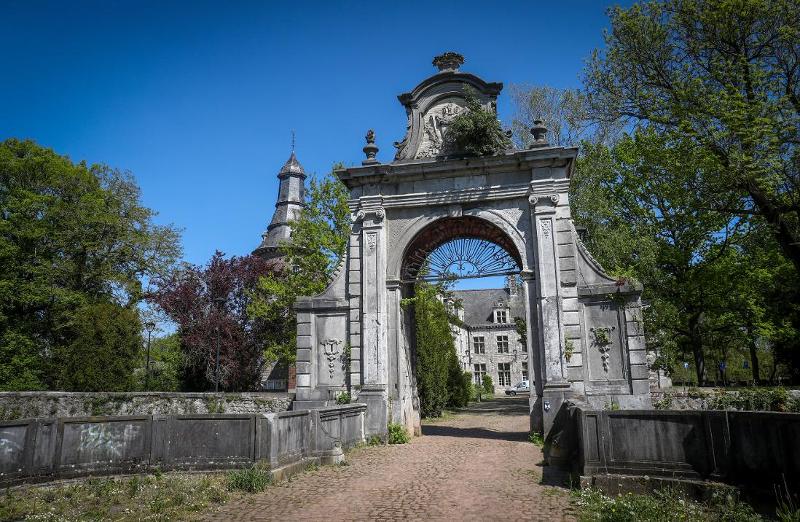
(435, 348)
(753, 399)
(536, 438)
(663, 403)
(250, 480)
(398, 434)
(458, 385)
(476, 130)
(488, 385)
(343, 398)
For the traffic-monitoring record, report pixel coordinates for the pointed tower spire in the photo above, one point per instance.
(291, 190)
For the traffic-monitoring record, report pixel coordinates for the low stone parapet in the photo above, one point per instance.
(756, 450)
(41, 449)
(22, 405)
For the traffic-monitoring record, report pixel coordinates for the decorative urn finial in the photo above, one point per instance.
(539, 132)
(448, 61)
(370, 149)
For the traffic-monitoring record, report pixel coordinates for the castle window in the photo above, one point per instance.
(479, 344)
(480, 371)
(501, 316)
(502, 344)
(504, 374)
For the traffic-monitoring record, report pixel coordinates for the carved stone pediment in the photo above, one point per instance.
(433, 104)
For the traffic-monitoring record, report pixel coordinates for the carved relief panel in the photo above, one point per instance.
(605, 355)
(331, 349)
(434, 126)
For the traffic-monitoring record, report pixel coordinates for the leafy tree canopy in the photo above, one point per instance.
(721, 75)
(74, 240)
(210, 306)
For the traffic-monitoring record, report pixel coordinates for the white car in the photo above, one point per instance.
(520, 387)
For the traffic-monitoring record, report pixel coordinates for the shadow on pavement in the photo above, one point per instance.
(474, 433)
(512, 406)
(499, 406)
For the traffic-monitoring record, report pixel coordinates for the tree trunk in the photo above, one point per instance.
(696, 343)
(753, 355)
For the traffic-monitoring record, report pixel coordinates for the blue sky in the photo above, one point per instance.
(198, 99)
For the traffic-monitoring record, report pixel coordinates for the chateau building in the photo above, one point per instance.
(487, 340)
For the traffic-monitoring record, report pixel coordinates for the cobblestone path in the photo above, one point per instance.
(476, 465)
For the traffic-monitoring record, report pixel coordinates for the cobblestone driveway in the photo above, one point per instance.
(476, 465)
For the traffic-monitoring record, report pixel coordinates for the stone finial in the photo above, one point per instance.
(370, 149)
(448, 61)
(539, 132)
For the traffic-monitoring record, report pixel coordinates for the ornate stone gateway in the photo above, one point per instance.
(585, 334)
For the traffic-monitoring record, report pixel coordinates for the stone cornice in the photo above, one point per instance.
(432, 169)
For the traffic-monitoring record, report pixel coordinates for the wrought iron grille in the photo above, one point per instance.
(463, 258)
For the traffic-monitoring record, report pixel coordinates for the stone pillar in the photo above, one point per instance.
(546, 300)
(535, 355)
(374, 349)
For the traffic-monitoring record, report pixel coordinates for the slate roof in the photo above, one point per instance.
(287, 208)
(479, 305)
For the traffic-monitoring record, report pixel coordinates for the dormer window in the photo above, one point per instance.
(501, 316)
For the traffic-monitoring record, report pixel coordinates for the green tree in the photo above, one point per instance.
(73, 238)
(720, 75)
(106, 344)
(648, 219)
(317, 245)
(167, 362)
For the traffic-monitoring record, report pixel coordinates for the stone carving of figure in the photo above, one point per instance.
(435, 129)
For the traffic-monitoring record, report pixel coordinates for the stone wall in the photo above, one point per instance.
(19, 405)
(756, 450)
(679, 398)
(33, 450)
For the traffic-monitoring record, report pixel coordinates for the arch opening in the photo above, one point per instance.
(460, 248)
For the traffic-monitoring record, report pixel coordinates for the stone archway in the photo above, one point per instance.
(350, 338)
(505, 258)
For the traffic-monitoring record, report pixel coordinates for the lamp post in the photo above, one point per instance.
(149, 326)
(219, 301)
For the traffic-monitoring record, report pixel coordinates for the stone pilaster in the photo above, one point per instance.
(374, 347)
(546, 300)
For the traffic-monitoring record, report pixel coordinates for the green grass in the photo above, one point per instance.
(665, 505)
(249, 480)
(142, 497)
